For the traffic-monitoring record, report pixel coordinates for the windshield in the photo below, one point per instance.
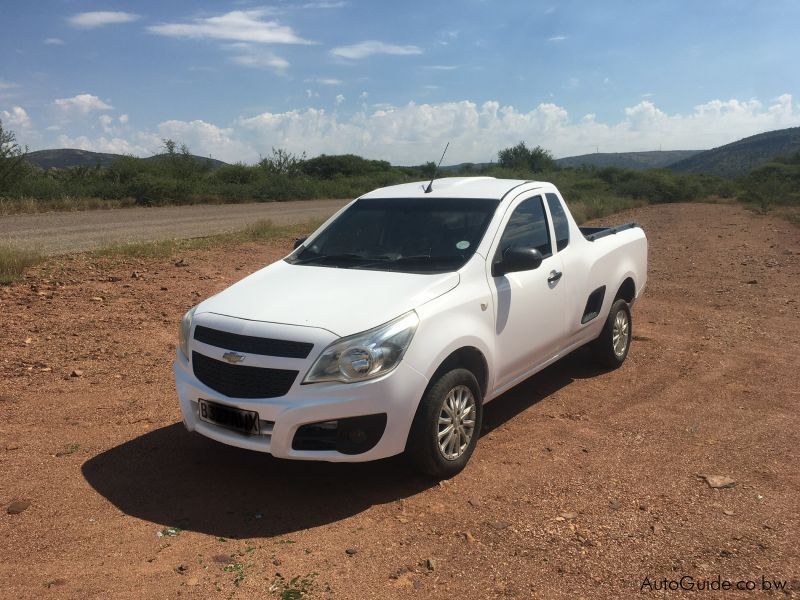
(411, 235)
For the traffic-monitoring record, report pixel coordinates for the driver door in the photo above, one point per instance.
(529, 324)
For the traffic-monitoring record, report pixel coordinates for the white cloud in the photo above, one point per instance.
(404, 134)
(323, 81)
(237, 25)
(113, 145)
(322, 4)
(123, 119)
(557, 38)
(441, 67)
(408, 134)
(339, 99)
(53, 41)
(106, 122)
(82, 104)
(370, 47)
(7, 85)
(16, 118)
(90, 20)
(260, 59)
(206, 139)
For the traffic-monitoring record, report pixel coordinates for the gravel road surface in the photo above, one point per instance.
(64, 232)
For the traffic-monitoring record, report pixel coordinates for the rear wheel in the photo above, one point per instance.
(447, 425)
(611, 348)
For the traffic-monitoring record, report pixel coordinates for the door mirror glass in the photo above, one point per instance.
(516, 259)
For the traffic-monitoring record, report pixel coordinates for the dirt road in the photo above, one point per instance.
(584, 484)
(63, 232)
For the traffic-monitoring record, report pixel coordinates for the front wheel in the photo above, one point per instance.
(447, 425)
(611, 348)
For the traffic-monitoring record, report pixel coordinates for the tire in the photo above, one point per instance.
(610, 349)
(456, 387)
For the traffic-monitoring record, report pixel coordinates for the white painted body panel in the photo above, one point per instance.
(519, 322)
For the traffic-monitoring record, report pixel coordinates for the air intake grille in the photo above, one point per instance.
(251, 344)
(236, 381)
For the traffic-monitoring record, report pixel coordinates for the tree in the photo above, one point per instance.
(282, 162)
(170, 146)
(428, 169)
(12, 159)
(521, 157)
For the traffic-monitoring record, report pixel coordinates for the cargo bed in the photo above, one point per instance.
(595, 233)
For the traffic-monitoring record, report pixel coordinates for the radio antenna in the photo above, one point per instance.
(429, 188)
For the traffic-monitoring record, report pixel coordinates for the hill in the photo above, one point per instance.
(627, 160)
(65, 158)
(739, 158)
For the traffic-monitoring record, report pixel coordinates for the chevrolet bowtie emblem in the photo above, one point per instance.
(233, 357)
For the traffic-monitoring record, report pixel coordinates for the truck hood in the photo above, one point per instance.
(343, 301)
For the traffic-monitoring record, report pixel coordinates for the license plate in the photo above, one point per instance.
(244, 421)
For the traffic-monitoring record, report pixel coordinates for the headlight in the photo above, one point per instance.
(365, 355)
(185, 330)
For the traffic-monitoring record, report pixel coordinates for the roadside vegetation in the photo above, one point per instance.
(14, 261)
(177, 177)
(260, 231)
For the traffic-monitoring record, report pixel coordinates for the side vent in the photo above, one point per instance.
(593, 305)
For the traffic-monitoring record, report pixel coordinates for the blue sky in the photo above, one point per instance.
(397, 80)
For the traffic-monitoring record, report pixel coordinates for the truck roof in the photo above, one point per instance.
(451, 187)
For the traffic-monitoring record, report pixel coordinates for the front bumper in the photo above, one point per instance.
(396, 394)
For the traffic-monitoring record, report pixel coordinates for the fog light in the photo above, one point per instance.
(352, 435)
(357, 436)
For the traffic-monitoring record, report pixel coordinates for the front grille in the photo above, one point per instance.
(236, 381)
(252, 344)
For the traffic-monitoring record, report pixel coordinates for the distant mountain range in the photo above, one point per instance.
(739, 158)
(65, 158)
(730, 160)
(654, 159)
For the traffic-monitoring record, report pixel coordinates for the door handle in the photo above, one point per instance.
(554, 276)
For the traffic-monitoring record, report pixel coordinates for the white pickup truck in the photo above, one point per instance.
(389, 328)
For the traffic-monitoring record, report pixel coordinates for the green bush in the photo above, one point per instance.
(347, 165)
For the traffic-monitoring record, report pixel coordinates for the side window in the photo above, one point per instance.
(560, 222)
(527, 228)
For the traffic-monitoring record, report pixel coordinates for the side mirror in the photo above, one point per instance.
(299, 242)
(516, 259)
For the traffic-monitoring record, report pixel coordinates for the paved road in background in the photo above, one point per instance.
(64, 232)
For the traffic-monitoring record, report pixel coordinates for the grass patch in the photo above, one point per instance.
(29, 205)
(170, 532)
(238, 572)
(260, 231)
(68, 449)
(14, 261)
(294, 589)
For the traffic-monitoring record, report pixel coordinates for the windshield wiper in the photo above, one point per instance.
(414, 257)
(343, 256)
